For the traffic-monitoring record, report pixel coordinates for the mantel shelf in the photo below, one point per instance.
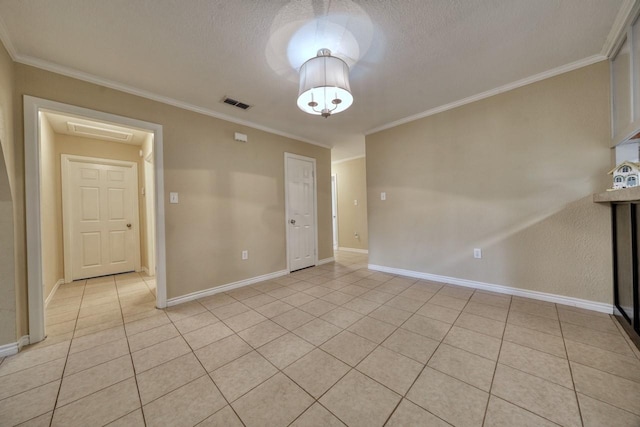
(621, 195)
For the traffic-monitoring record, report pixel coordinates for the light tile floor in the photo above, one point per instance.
(332, 345)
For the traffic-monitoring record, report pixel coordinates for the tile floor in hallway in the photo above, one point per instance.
(329, 346)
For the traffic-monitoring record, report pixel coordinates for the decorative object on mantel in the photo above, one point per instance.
(625, 175)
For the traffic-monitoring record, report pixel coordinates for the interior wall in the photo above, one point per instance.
(513, 175)
(50, 219)
(352, 219)
(231, 194)
(9, 323)
(90, 147)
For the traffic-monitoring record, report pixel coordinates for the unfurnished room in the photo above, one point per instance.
(320, 213)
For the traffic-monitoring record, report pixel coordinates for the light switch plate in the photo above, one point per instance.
(383, 196)
(173, 197)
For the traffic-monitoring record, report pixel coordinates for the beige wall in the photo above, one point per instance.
(231, 194)
(51, 216)
(512, 174)
(352, 185)
(8, 320)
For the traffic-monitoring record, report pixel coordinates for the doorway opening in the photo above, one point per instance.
(94, 199)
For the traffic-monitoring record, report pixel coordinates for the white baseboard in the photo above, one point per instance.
(13, 348)
(542, 296)
(24, 340)
(53, 292)
(223, 288)
(358, 251)
(325, 261)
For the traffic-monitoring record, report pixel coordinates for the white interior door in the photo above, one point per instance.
(100, 212)
(301, 211)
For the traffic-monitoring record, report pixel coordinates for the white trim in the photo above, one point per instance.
(80, 75)
(288, 156)
(626, 13)
(335, 235)
(146, 271)
(67, 220)
(224, 288)
(326, 261)
(23, 341)
(510, 86)
(541, 296)
(358, 251)
(8, 349)
(348, 159)
(32, 106)
(14, 347)
(53, 292)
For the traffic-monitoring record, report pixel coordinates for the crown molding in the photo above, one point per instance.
(627, 12)
(510, 86)
(90, 78)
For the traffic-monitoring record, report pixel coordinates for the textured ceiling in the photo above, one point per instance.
(408, 56)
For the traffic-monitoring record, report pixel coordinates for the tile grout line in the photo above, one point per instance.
(133, 368)
(53, 411)
(207, 373)
(495, 369)
(536, 376)
(573, 382)
(426, 364)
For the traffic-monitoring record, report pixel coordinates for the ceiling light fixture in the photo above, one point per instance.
(324, 85)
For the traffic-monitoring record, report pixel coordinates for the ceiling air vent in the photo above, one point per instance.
(235, 103)
(99, 132)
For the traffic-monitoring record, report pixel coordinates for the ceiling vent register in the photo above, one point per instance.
(235, 103)
(98, 132)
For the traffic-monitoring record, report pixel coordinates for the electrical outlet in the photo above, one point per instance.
(477, 253)
(383, 196)
(355, 203)
(245, 255)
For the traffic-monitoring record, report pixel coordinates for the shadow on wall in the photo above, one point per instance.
(551, 261)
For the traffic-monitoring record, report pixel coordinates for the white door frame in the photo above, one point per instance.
(334, 209)
(32, 108)
(288, 156)
(67, 224)
(150, 219)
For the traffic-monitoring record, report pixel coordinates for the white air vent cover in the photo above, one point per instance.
(99, 132)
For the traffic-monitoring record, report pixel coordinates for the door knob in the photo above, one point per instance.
(128, 225)
(293, 221)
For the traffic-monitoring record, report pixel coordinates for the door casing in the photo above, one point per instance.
(31, 109)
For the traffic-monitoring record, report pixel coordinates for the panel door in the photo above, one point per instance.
(301, 209)
(102, 213)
